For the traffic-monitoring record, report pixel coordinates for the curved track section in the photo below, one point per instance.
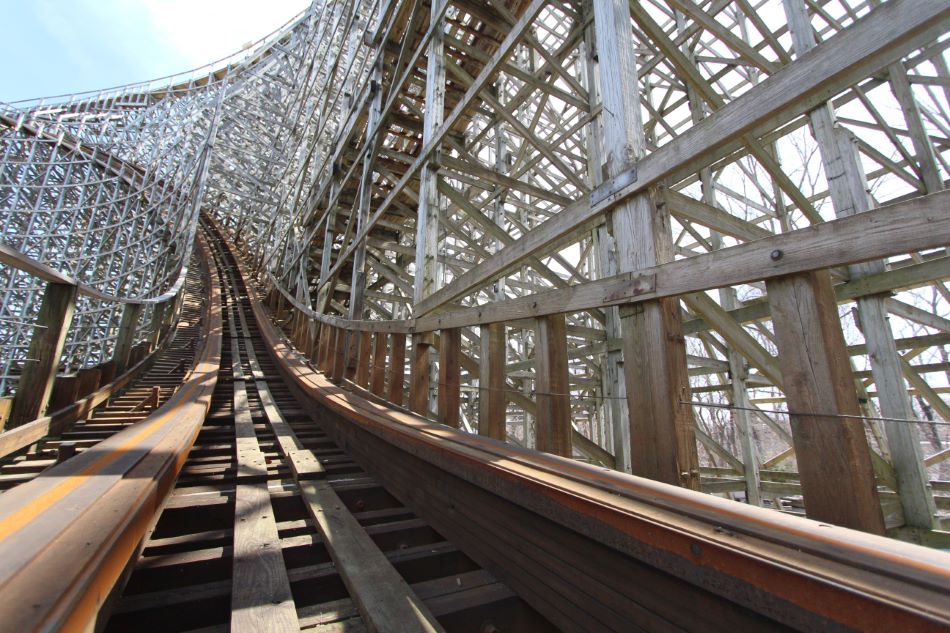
(597, 550)
(272, 526)
(83, 415)
(253, 501)
(67, 536)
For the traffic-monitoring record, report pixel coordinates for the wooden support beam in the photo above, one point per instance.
(397, 368)
(46, 347)
(378, 378)
(833, 456)
(848, 189)
(156, 329)
(362, 359)
(552, 386)
(491, 383)
(325, 351)
(419, 374)
(338, 360)
(427, 218)
(126, 337)
(662, 444)
(65, 392)
(351, 355)
(912, 225)
(888, 32)
(450, 376)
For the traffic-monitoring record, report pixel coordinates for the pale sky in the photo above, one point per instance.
(51, 47)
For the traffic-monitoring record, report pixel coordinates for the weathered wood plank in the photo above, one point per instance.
(419, 374)
(384, 599)
(260, 591)
(362, 359)
(833, 457)
(397, 369)
(552, 386)
(492, 403)
(450, 377)
(378, 379)
(46, 346)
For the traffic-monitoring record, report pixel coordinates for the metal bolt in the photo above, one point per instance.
(776, 255)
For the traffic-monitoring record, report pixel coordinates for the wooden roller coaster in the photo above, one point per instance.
(569, 235)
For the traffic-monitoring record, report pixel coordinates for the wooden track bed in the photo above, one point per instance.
(261, 469)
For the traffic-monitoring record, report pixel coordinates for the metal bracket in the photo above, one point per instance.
(634, 286)
(613, 186)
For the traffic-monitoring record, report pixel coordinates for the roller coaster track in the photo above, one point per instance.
(253, 499)
(254, 468)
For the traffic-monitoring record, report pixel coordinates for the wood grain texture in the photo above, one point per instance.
(378, 378)
(834, 461)
(553, 386)
(363, 358)
(450, 377)
(397, 369)
(338, 359)
(46, 347)
(260, 592)
(662, 443)
(419, 375)
(492, 402)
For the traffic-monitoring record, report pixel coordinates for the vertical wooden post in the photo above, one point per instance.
(65, 389)
(46, 347)
(849, 195)
(324, 352)
(362, 359)
(378, 379)
(662, 441)
(315, 345)
(617, 419)
(450, 376)
(358, 277)
(126, 337)
(155, 328)
(351, 353)
(552, 386)
(338, 367)
(834, 462)
(427, 218)
(397, 368)
(419, 373)
(492, 404)
(90, 379)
